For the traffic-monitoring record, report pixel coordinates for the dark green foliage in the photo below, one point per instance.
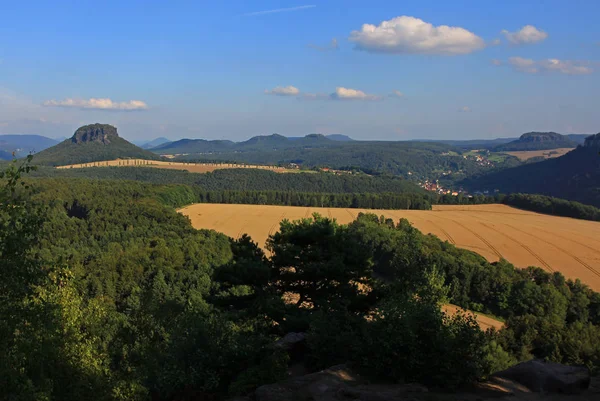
(553, 206)
(413, 341)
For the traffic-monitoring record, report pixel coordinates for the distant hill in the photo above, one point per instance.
(22, 145)
(574, 176)
(470, 144)
(154, 143)
(339, 137)
(262, 142)
(95, 142)
(537, 141)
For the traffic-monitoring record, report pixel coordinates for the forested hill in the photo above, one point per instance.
(537, 141)
(95, 142)
(262, 142)
(574, 176)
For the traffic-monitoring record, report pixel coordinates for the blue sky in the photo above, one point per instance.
(235, 69)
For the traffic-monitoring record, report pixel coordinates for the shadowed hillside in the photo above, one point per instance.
(574, 176)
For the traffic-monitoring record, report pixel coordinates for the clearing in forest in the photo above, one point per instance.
(546, 154)
(191, 167)
(524, 238)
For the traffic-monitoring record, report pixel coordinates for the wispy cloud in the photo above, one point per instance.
(98, 104)
(465, 109)
(283, 91)
(568, 67)
(278, 10)
(333, 45)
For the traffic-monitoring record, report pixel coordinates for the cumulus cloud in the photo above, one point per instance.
(529, 34)
(465, 109)
(342, 93)
(284, 91)
(98, 104)
(396, 93)
(410, 35)
(550, 65)
(333, 45)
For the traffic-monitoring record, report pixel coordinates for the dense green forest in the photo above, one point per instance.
(246, 179)
(553, 206)
(109, 294)
(254, 186)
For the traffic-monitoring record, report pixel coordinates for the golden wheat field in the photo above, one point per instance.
(191, 167)
(546, 154)
(524, 238)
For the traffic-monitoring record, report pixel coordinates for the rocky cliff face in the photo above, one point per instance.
(102, 133)
(542, 137)
(592, 141)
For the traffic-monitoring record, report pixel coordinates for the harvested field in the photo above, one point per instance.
(524, 238)
(191, 167)
(485, 322)
(546, 154)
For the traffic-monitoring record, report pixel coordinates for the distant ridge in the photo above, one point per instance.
(261, 142)
(24, 144)
(154, 143)
(537, 141)
(90, 143)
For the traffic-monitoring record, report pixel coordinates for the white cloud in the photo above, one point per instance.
(284, 91)
(396, 93)
(550, 65)
(278, 10)
(333, 45)
(414, 36)
(98, 103)
(529, 34)
(342, 93)
(495, 61)
(465, 109)
(495, 42)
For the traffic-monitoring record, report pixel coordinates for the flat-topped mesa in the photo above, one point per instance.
(541, 137)
(101, 133)
(592, 141)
